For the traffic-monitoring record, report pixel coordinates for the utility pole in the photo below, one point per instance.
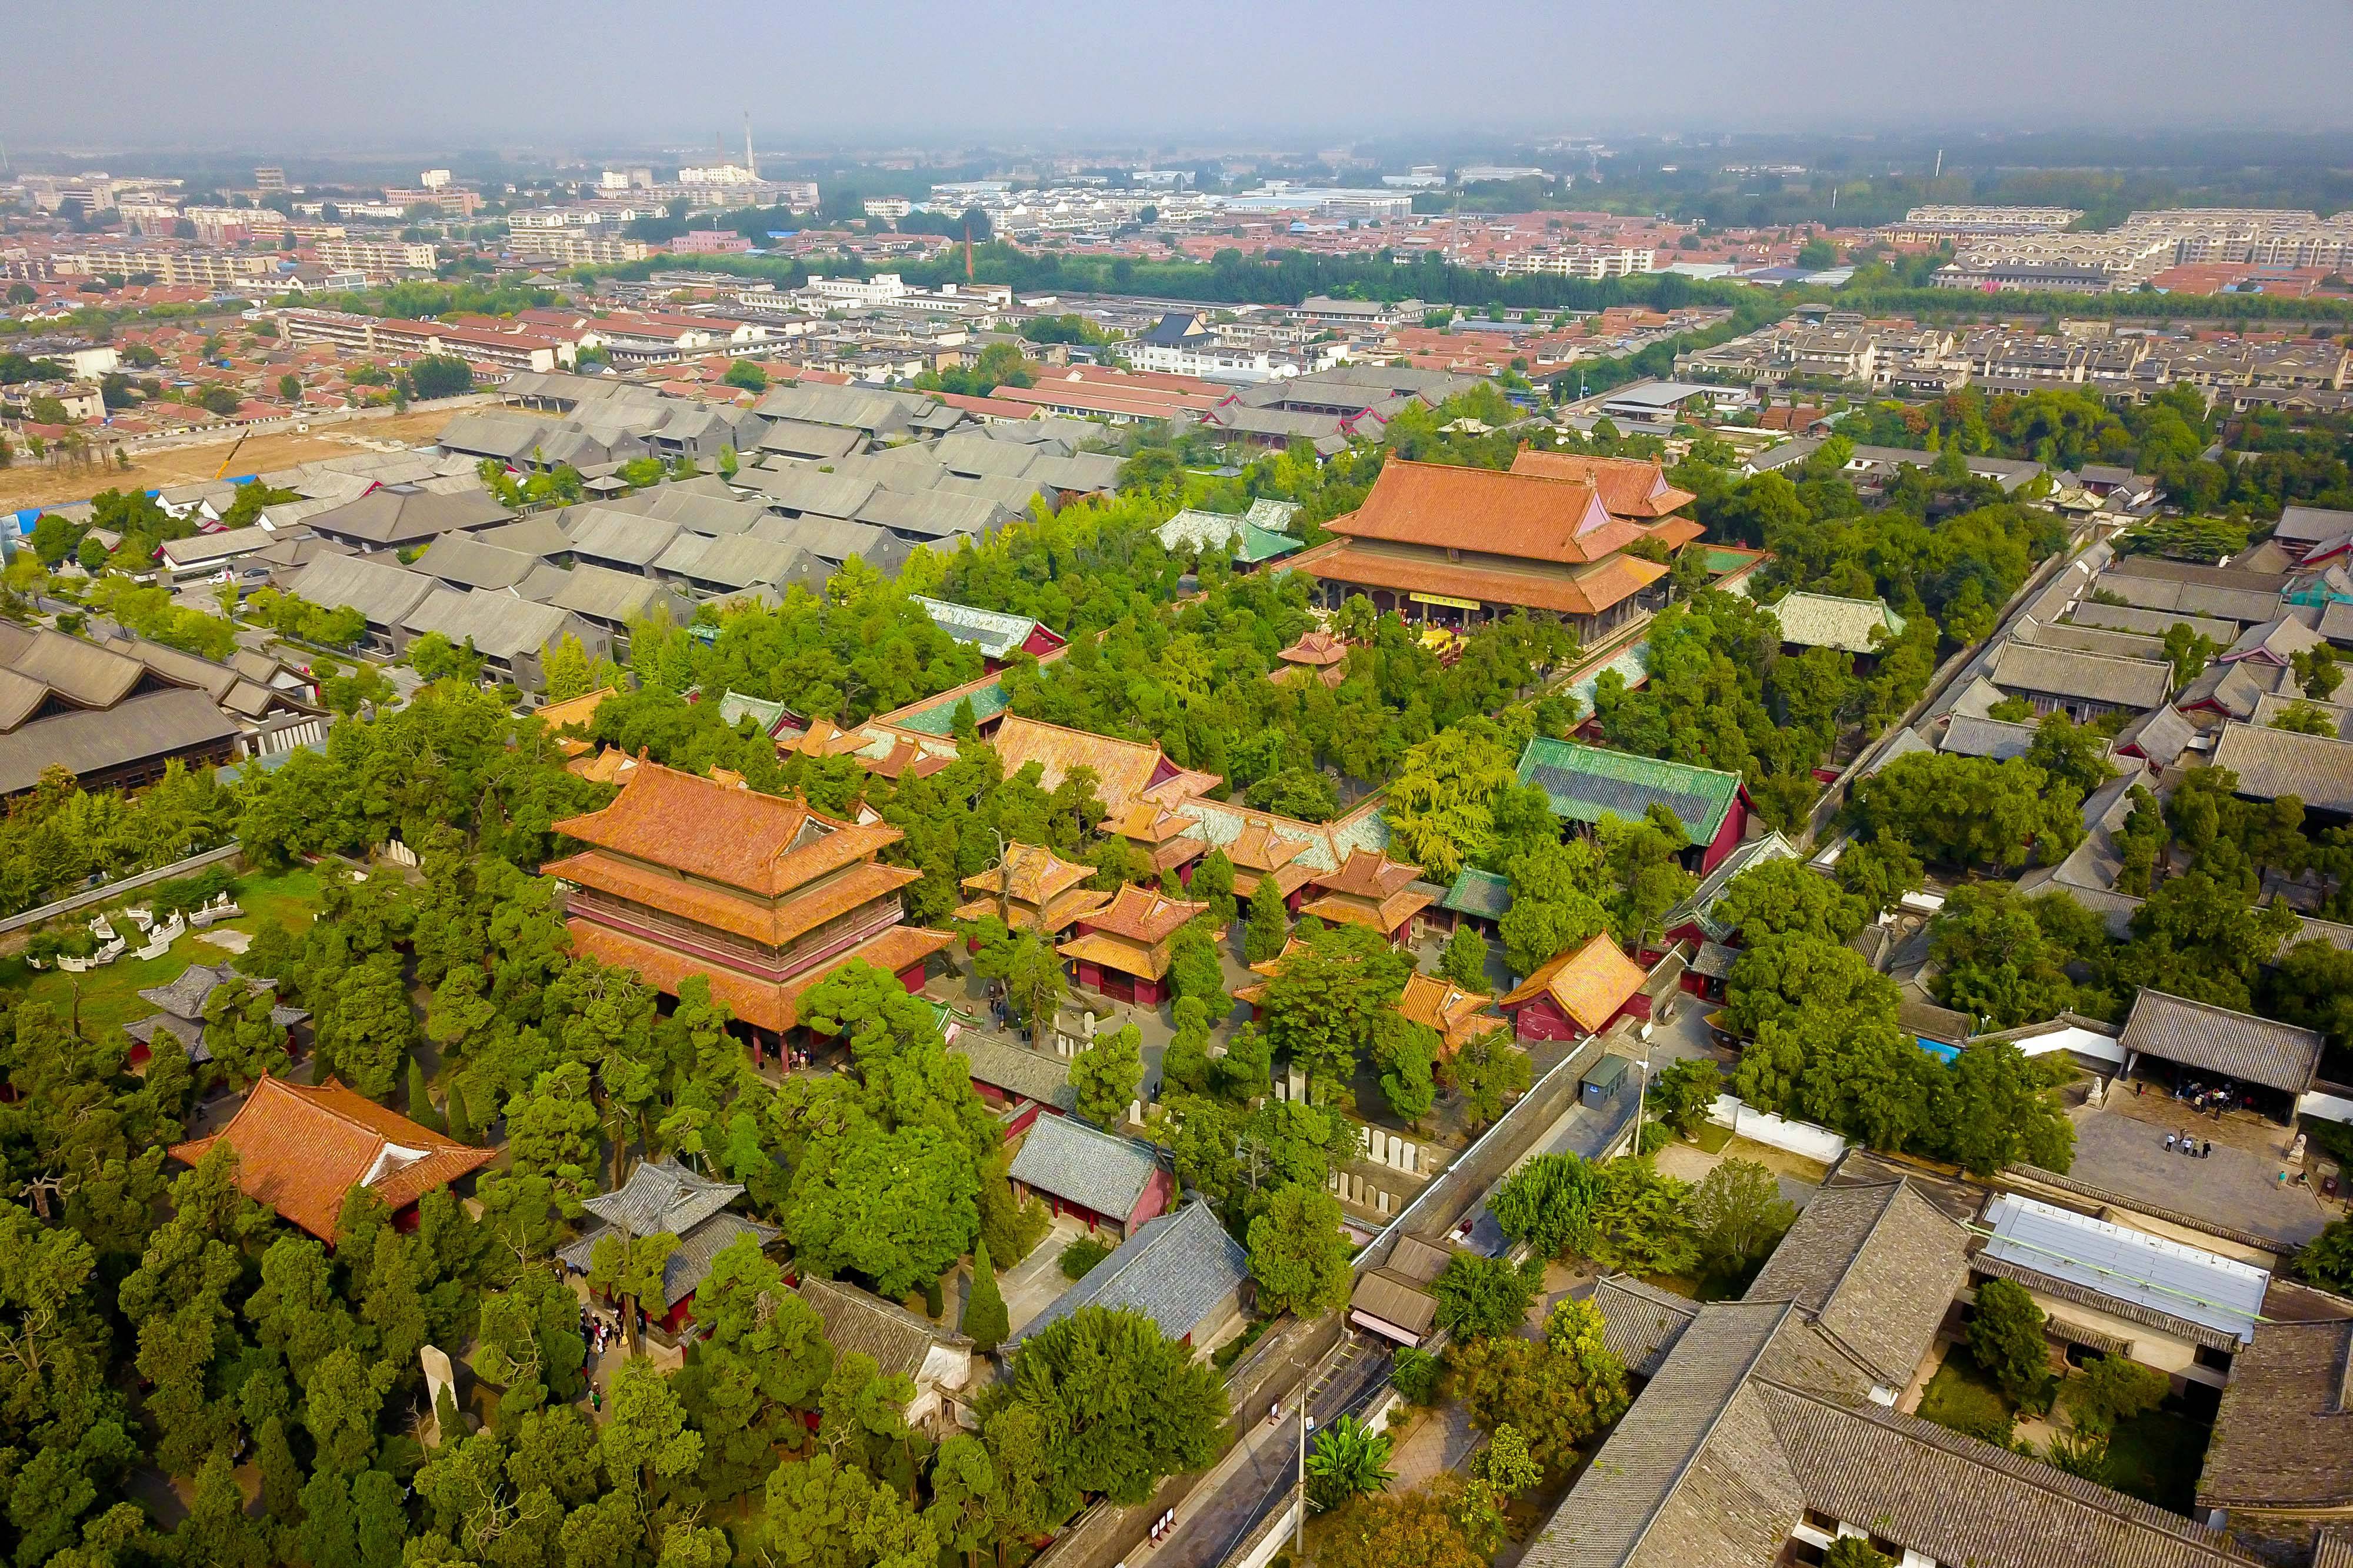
(1299, 1524)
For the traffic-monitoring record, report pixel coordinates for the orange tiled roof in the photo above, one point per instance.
(1590, 983)
(1631, 487)
(775, 924)
(1145, 914)
(1527, 516)
(300, 1149)
(1057, 915)
(1318, 648)
(611, 765)
(823, 738)
(764, 1004)
(1457, 1014)
(1368, 874)
(1675, 532)
(763, 843)
(905, 757)
(574, 711)
(1586, 594)
(1147, 822)
(1029, 874)
(1148, 962)
(1124, 769)
(1386, 916)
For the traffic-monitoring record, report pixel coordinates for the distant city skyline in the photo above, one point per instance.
(237, 74)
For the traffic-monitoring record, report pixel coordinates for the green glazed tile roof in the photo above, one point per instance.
(1477, 892)
(1586, 784)
(939, 718)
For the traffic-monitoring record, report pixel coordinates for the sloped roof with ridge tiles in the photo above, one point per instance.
(1081, 1164)
(1631, 487)
(1586, 784)
(763, 843)
(1822, 620)
(1175, 1269)
(1589, 981)
(300, 1149)
(2217, 1040)
(1527, 515)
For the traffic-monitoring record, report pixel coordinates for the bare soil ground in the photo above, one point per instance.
(29, 483)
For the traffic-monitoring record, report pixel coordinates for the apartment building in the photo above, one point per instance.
(1938, 222)
(377, 255)
(178, 268)
(1587, 261)
(2059, 263)
(572, 248)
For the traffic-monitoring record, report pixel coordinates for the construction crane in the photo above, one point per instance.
(230, 458)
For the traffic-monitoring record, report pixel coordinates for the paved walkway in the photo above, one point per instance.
(2233, 1187)
(1032, 1285)
(1441, 1439)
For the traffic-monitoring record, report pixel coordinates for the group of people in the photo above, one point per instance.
(598, 1331)
(2189, 1146)
(2207, 1100)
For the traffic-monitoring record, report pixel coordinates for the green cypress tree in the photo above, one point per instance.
(934, 1299)
(983, 1311)
(1270, 923)
(461, 1125)
(420, 1099)
(281, 1477)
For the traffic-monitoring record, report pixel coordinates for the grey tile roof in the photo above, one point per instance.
(1988, 738)
(806, 490)
(2152, 623)
(2280, 1438)
(390, 516)
(377, 587)
(1876, 1263)
(502, 626)
(623, 538)
(933, 514)
(1015, 1069)
(2271, 705)
(2316, 769)
(1078, 1163)
(2313, 524)
(462, 561)
(836, 540)
(1640, 1323)
(1175, 1270)
(600, 594)
(741, 562)
(800, 439)
(663, 1195)
(1700, 904)
(153, 724)
(2241, 604)
(1617, 1503)
(2216, 1040)
(859, 1321)
(689, 1265)
(2161, 735)
(2134, 683)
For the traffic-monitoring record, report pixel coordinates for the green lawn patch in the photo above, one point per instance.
(108, 997)
(1963, 1399)
(1712, 1137)
(2157, 1456)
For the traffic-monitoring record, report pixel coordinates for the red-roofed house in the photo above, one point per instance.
(1578, 992)
(301, 1150)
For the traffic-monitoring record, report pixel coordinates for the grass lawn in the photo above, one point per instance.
(1712, 1137)
(109, 997)
(1961, 1397)
(2157, 1456)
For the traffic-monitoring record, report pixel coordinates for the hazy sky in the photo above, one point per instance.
(267, 74)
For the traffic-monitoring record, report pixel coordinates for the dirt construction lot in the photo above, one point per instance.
(29, 483)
